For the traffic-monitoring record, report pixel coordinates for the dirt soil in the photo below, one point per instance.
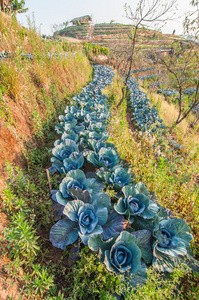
(12, 139)
(71, 39)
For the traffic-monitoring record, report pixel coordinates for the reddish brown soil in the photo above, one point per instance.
(12, 139)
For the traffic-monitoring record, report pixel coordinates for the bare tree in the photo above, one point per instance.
(191, 22)
(147, 13)
(180, 68)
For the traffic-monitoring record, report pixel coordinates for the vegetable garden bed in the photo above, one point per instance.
(130, 230)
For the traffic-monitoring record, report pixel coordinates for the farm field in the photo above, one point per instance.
(99, 191)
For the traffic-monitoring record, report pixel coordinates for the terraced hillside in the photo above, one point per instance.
(107, 34)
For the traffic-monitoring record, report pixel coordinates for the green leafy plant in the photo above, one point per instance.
(22, 238)
(85, 219)
(76, 179)
(136, 202)
(121, 256)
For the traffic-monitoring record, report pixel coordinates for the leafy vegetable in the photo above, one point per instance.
(121, 255)
(77, 179)
(62, 151)
(117, 178)
(136, 203)
(75, 161)
(106, 158)
(172, 239)
(84, 220)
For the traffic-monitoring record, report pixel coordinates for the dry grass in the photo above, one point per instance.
(184, 134)
(33, 92)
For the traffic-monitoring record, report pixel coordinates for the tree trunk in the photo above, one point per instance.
(195, 103)
(180, 106)
(131, 55)
(2, 5)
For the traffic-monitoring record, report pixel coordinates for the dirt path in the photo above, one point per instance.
(72, 40)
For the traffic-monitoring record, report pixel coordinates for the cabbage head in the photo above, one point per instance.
(62, 151)
(70, 134)
(121, 255)
(68, 118)
(83, 220)
(97, 145)
(172, 237)
(76, 128)
(136, 203)
(97, 126)
(87, 138)
(59, 127)
(117, 178)
(106, 157)
(73, 162)
(71, 109)
(76, 179)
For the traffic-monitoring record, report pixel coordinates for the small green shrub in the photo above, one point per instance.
(22, 239)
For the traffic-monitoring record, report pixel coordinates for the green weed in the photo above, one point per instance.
(22, 239)
(89, 279)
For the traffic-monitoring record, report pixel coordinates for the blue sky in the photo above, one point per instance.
(49, 12)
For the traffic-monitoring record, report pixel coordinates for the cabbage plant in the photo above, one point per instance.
(97, 145)
(172, 237)
(98, 136)
(71, 109)
(69, 118)
(117, 178)
(97, 126)
(121, 255)
(76, 179)
(62, 151)
(106, 157)
(83, 220)
(96, 117)
(136, 203)
(93, 135)
(76, 128)
(73, 162)
(82, 113)
(70, 134)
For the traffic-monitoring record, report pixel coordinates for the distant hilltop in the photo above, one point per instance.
(81, 20)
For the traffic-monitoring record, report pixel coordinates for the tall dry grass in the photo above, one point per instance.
(187, 136)
(34, 92)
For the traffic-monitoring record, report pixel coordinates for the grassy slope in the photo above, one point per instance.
(32, 92)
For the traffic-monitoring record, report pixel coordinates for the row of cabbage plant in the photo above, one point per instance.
(8, 54)
(149, 76)
(85, 211)
(144, 115)
(170, 92)
(141, 70)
